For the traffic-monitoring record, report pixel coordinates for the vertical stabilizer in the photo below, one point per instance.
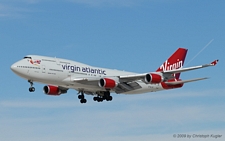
(175, 61)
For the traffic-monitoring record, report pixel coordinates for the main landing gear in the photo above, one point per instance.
(101, 96)
(81, 97)
(106, 97)
(31, 89)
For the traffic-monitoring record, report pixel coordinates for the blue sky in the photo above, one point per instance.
(131, 35)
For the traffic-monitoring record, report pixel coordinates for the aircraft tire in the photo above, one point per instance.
(80, 96)
(95, 98)
(100, 99)
(31, 89)
(83, 101)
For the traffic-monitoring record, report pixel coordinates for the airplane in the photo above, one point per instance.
(60, 75)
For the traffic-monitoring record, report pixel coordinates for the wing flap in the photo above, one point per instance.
(133, 77)
(125, 87)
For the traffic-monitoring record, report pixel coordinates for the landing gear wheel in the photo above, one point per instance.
(95, 98)
(83, 101)
(31, 89)
(100, 99)
(81, 96)
(109, 98)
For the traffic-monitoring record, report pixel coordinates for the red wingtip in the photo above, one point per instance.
(214, 62)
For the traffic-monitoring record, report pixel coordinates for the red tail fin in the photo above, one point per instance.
(175, 61)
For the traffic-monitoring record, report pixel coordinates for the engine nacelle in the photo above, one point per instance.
(53, 90)
(107, 83)
(153, 78)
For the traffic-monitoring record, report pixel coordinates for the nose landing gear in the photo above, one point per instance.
(31, 89)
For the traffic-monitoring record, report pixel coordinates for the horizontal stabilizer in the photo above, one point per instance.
(185, 81)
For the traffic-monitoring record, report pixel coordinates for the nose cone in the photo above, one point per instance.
(14, 68)
(18, 70)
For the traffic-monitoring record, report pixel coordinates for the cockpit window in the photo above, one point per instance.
(27, 57)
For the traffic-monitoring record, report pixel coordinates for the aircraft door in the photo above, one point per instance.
(43, 69)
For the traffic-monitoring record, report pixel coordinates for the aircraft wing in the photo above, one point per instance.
(190, 68)
(127, 83)
(135, 77)
(184, 81)
(121, 79)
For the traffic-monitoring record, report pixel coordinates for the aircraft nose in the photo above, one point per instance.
(18, 69)
(13, 67)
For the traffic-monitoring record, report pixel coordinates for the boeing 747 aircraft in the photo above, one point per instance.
(61, 75)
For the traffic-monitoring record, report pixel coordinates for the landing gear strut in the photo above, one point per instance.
(81, 97)
(31, 89)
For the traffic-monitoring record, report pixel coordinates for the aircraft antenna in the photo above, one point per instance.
(200, 51)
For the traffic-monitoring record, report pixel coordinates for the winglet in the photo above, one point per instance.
(214, 62)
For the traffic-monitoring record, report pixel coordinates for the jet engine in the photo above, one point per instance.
(153, 78)
(53, 90)
(107, 83)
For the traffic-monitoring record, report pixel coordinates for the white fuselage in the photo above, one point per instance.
(62, 72)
